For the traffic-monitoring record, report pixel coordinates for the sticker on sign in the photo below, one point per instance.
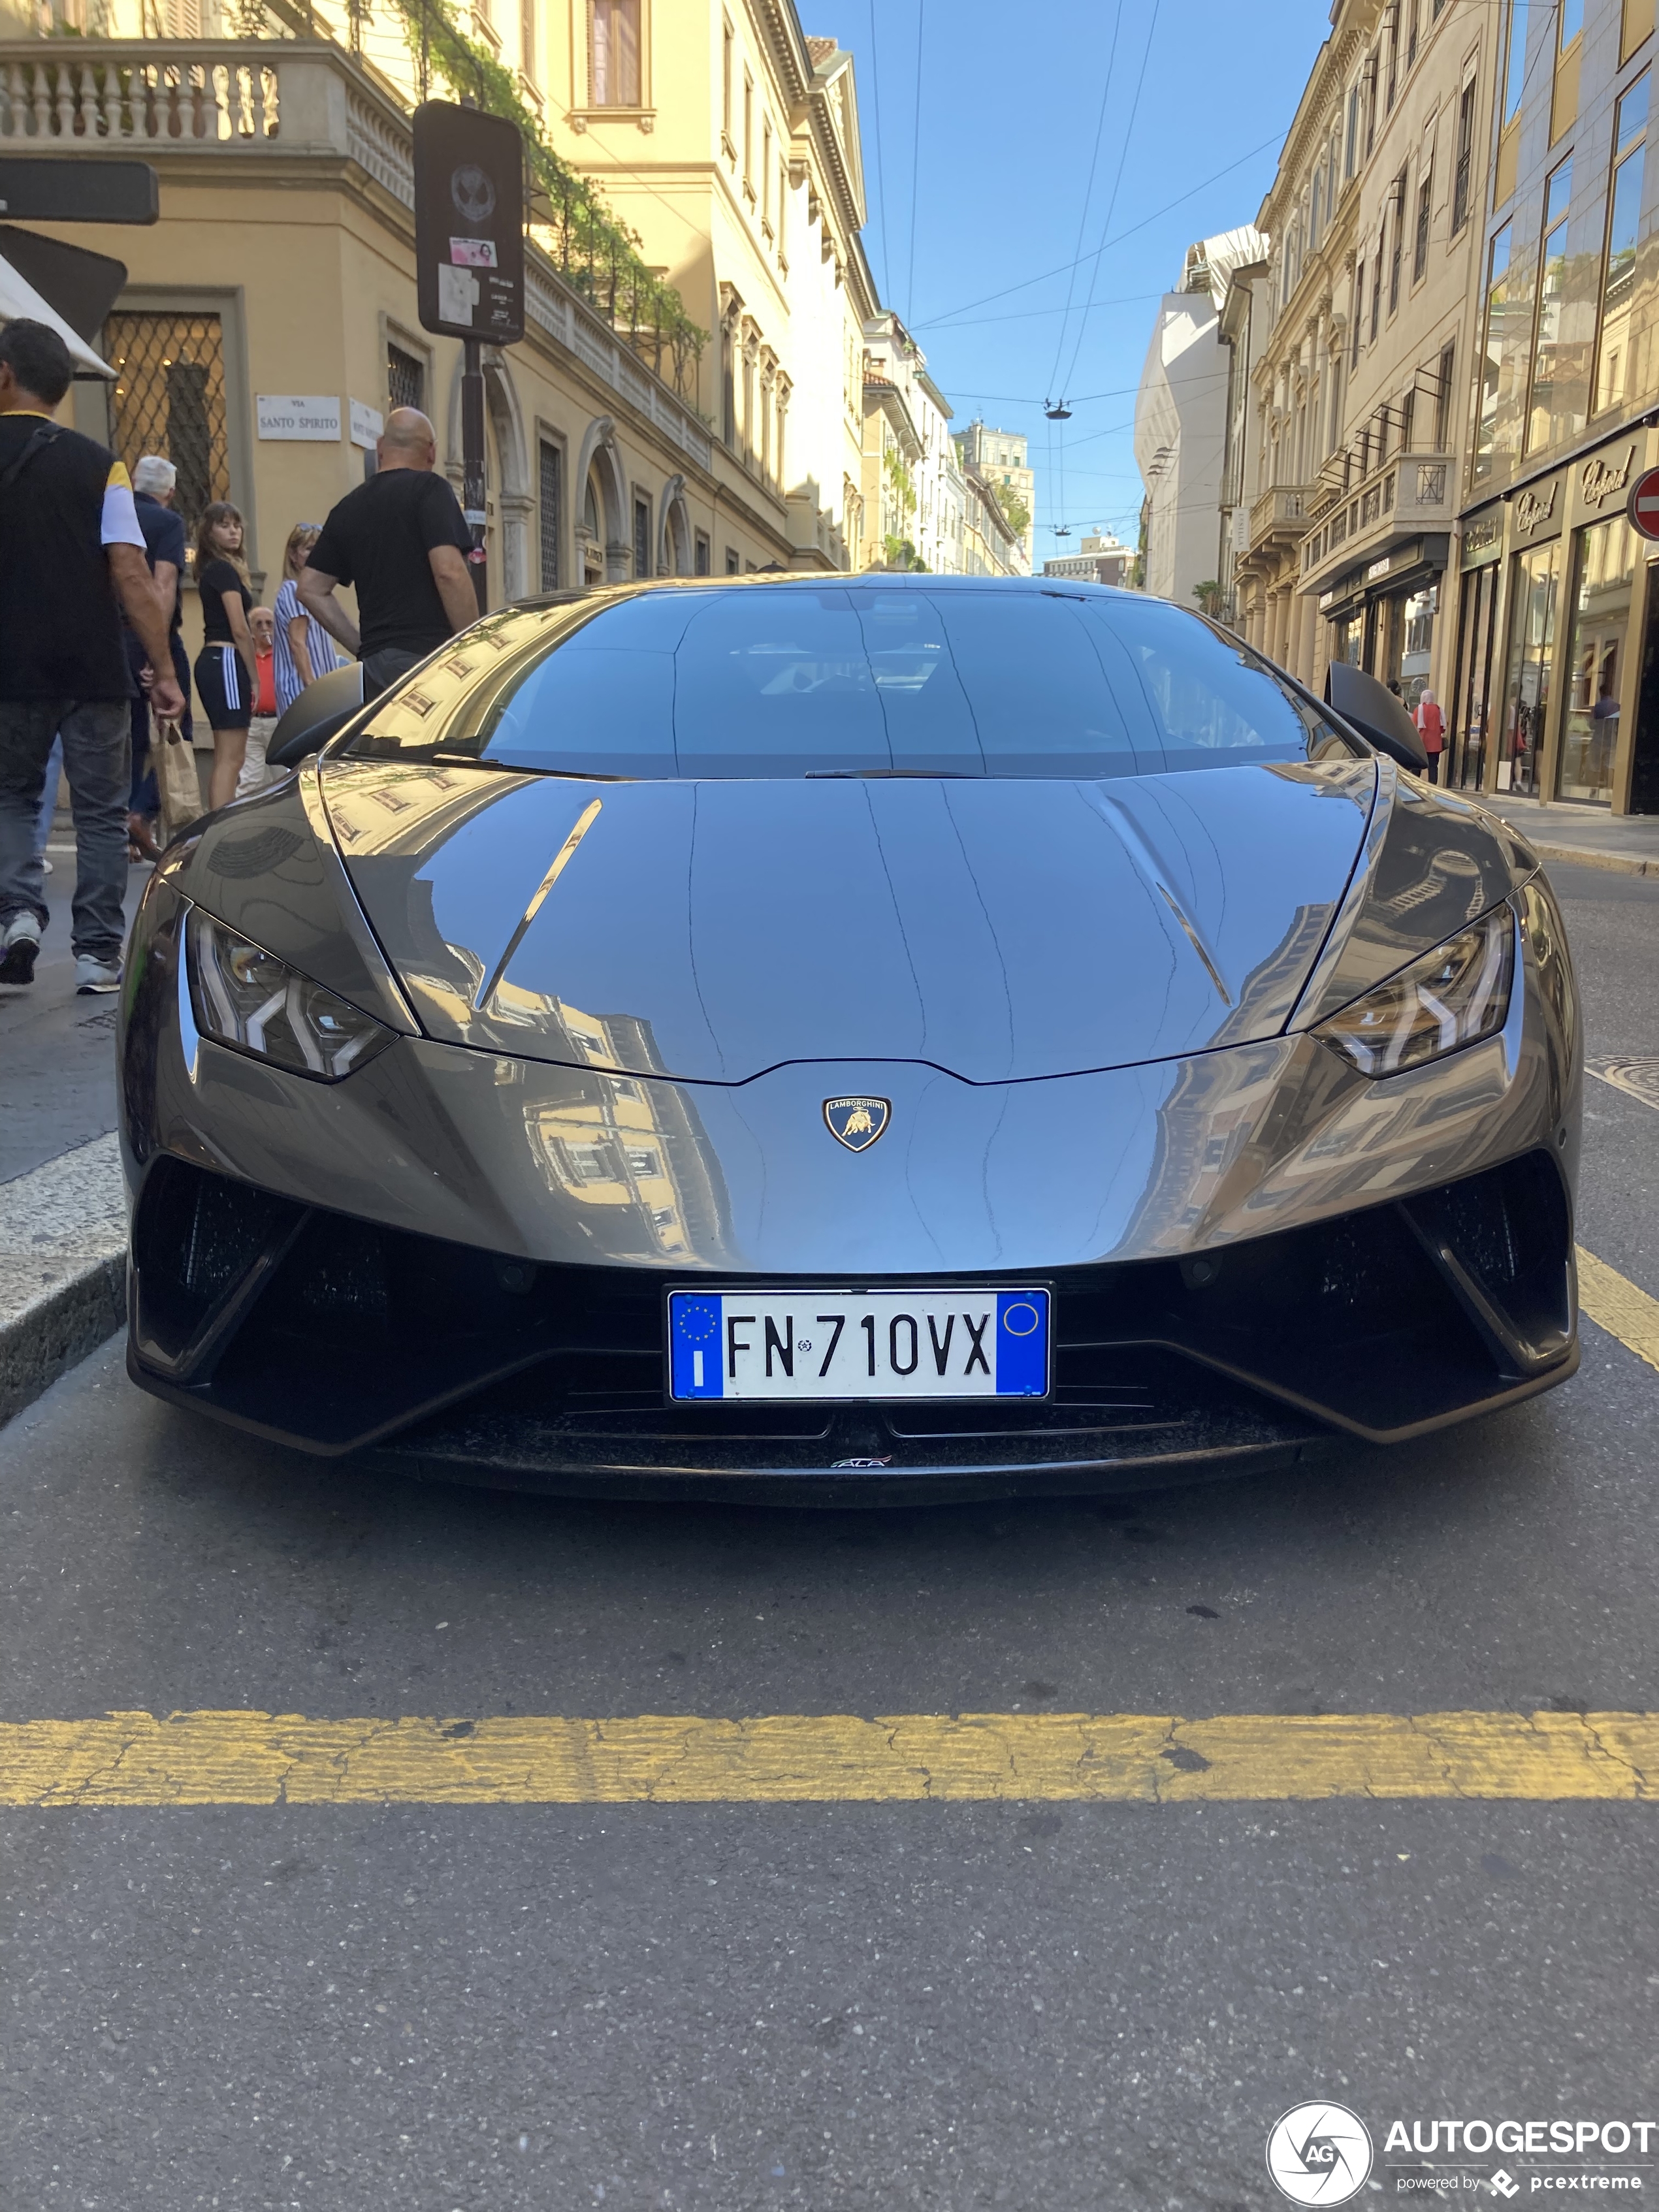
(1643, 508)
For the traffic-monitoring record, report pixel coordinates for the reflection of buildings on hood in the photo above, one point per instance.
(630, 1143)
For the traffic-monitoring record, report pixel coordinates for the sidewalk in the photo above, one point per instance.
(62, 1203)
(1582, 837)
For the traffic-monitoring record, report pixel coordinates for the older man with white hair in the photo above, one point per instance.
(154, 480)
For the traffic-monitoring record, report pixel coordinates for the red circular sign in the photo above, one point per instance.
(1643, 506)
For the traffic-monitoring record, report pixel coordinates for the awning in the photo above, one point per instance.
(18, 300)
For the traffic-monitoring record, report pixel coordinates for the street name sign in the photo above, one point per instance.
(308, 420)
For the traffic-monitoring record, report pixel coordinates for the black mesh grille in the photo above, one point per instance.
(169, 399)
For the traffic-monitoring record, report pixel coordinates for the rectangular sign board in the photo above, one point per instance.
(367, 424)
(79, 190)
(309, 420)
(469, 223)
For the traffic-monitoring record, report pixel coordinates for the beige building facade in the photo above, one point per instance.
(1359, 352)
(688, 398)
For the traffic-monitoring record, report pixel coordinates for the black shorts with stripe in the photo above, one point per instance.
(222, 686)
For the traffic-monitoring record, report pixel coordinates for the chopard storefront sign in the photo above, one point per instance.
(1601, 479)
(1533, 509)
(1483, 538)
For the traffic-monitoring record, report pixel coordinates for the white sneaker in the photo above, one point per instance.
(92, 975)
(45, 867)
(20, 944)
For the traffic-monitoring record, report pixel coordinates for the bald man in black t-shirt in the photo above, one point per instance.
(401, 540)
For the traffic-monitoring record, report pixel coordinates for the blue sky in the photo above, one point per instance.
(1009, 106)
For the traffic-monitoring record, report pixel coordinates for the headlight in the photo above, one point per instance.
(1452, 996)
(245, 997)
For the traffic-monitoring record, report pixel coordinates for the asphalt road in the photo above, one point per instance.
(720, 2006)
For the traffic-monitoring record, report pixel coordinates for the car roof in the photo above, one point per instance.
(783, 579)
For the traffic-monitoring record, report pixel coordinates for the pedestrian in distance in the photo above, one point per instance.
(400, 539)
(225, 671)
(305, 650)
(262, 727)
(72, 561)
(1431, 728)
(154, 482)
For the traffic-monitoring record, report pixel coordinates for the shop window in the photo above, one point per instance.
(1604, 578)
(168, 397)
(1472, 695)
(550, 472)
(1620, 337)
(1532, 596)
(613, 54)
(1542, 427)
(405, 379)
(1496, 343)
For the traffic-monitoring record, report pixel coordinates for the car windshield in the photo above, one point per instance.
(794, 680)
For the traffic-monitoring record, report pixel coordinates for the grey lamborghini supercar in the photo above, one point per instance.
(838, 1039)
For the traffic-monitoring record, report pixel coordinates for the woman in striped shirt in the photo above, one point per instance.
(305, 650)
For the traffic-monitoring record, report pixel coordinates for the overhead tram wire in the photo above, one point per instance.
(915, 155)
(881, 178)
(1087, 189)
(1117, 181)
(945, 321)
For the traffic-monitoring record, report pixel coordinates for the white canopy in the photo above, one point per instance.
(19, 300)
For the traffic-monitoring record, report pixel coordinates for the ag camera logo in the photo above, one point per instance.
(1319, 2153)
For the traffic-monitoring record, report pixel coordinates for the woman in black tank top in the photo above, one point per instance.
(225, 669)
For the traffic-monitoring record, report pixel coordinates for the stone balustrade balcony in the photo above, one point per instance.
(1279, 516)
(1410, 496)
(240, 101)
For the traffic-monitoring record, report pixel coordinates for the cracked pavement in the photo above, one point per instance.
(840, 2006)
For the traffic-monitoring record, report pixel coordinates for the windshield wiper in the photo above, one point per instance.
(865, 775)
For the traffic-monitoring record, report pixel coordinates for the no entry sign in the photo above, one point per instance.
(1644, 507)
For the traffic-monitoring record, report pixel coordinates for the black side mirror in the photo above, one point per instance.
(321, 712)
(1375, 712)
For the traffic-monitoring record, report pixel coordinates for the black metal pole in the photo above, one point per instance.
(473, 462)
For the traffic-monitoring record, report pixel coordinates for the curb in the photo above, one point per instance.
(63, 1268)
(1568, 856)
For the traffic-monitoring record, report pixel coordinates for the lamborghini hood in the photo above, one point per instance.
(709, 931)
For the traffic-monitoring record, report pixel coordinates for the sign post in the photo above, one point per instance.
(469, 248)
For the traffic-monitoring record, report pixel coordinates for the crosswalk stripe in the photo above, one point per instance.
(243, 1758)
(1619, 1306)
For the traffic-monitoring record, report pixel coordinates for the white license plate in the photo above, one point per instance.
(857, 1344)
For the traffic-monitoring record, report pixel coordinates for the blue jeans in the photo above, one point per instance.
(97, 744)
(49, 796)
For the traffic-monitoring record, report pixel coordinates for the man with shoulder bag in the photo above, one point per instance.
(72, 560)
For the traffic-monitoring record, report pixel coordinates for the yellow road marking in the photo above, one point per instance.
(264, 1759)
(1619, 1307)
